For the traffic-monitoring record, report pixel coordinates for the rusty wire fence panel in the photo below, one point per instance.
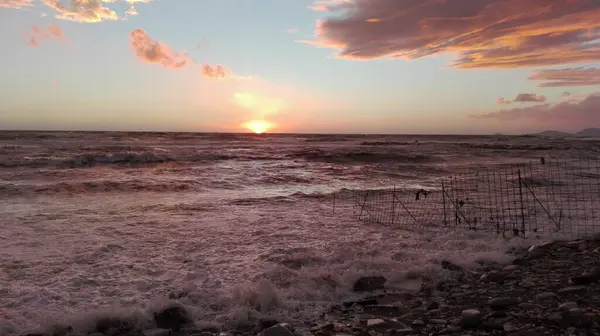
(541, 198)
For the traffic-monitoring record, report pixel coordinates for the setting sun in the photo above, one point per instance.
(258, 126)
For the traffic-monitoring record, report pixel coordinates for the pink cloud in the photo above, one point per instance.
(15, 3)
(574, 114)
(216, 72)
(151, 51)
(502, 101)
(567, 77)
(328, 5)
(482, 33)
(39, 34)
(529, 98)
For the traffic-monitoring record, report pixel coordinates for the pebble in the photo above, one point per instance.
(545, 296)
(502, 302)
(573, 289)
(375, 322)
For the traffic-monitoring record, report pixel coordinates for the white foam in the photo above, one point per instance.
(227, 263)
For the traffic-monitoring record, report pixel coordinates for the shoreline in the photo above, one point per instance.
(549, 289)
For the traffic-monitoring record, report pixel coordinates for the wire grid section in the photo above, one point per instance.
(560, 198)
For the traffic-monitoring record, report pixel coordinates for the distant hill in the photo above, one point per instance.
(589, 132)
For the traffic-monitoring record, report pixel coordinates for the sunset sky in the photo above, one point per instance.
(338, 66)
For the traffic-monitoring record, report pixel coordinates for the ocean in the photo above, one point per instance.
(234, 227)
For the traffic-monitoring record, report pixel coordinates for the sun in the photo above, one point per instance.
(258, 126)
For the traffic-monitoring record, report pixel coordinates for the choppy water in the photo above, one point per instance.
(235, 226)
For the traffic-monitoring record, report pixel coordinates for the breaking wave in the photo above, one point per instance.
(367, 157)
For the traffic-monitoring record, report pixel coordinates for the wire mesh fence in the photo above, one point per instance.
(537, 198)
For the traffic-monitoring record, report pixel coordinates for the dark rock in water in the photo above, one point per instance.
(61, 330)
(267, 323)
(277, 330)
(114, 326)
(451, 266)
(367, 284)
(364, 302)
(174, 318)
(157, 332)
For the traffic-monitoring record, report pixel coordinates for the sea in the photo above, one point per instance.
(234, 227)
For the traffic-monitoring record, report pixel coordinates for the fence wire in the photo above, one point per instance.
(538, 198)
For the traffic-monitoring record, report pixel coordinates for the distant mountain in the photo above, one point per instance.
(589, 132)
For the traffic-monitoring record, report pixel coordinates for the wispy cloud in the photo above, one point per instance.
(152, 51)
(570, 114)
(15, 3)
(38, 34)
(80, 10)
(567, 77)
(292, 31)
(483, 33)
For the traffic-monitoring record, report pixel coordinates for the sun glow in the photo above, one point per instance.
(258, 126)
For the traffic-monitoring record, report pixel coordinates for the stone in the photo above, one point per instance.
(510, 268)
(471, 318)
(418, 323)
(493, 276)
(545, 296)
(501, 303)
(438, 321)
(404, 331)
(534, 252)
(157, 332)
(276, 330)
(508, 327)
(573, 290)
(368, 284)
(586, 278)
(568, 305)
(173, 317)
(433, 305)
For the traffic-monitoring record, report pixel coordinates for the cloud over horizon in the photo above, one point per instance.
(529, 98)
(567, 77)
(575, 114)
(483, 33)
(523, 98)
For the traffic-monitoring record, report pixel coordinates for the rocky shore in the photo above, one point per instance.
(549, 289)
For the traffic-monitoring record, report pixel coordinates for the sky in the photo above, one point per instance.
(302, 66)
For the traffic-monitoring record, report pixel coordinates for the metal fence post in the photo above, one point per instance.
(444, 203)
(522, 205)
